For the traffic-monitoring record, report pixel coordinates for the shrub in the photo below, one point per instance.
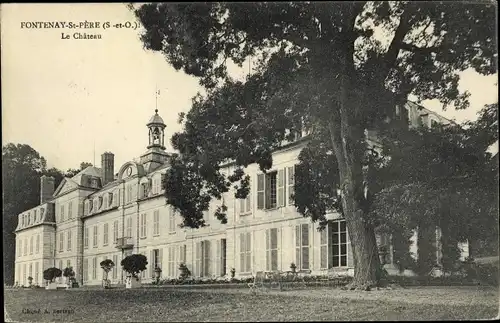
(134, 264)
(51, 273)
(68, 272)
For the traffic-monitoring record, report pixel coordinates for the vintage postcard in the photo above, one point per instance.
(258, 161)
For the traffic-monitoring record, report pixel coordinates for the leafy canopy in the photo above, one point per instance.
(332, 68)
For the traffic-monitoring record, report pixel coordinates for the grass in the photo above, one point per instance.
(222, 305)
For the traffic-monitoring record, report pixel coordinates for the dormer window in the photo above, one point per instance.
(110, 199)
(94, 207)
(94, 183)
(91, 206)
(34, 216)
(42, 212)
(100, 200)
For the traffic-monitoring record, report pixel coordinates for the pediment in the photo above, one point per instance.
(67, 184)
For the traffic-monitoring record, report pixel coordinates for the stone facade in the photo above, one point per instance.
(91, 217)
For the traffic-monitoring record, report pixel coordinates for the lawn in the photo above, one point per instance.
(169, 304)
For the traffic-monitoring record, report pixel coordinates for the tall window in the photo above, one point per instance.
(69, 241)
(37, 272)
(129, 227)
(220, 260)
(142, 228)
(19, 247)
(246, 204)
(85, 269)
(25, 247)
(115, 270)
(30, 270)
(182, 254)
(302, 246)
(37, 248)
(325, 250)
(61, 241)
(171, 225)
(156, 186)
(156, 222)
(272, 249)
(129, 193)
(94, 268)
(271, 190)
(171, 262)
(245, 252)
(339, 243)
(94, 240)
(106, 234)
(156, 258)
(35, 216)
(70, 210)
(202, 259)
(85, 237)
(61, 265)
(291, 184)
(62, 213)
(31, 245)
(115, 231)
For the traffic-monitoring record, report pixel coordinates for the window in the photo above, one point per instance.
(19, 247)
(69, 240)
(85, 269)
(94, 240)
(245, 252)
(171, 225)
(129, 193)
(37, 245)
(115, 197)
(220, 260)
(34, 216)
(246, 204)
(37, 272)
(325, 251)
(142, 228)
(30, 272)
(171, 262)
(62, 213)
(25, 247)
(115, 267)
(31, 245)
(94, 268)
(291, 184)
(202, 263)
(106, 233)
(95, 206)
(70, 210)
(156, 222)
(271, 190)
(110, 199)
(339, 243)
(272, 249)
(129, 227)
(85, 237)
(182, 254)
(302, 246)
(115, 231)
(61, 242)
(61, 265)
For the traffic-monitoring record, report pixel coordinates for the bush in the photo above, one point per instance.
(68, 272)
(134, 264)
(185, 272)
(481, 273)
(52, 273)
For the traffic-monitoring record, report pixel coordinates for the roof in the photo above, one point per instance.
(156, 119)
(91, 170)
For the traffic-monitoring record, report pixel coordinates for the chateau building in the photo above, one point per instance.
(97, 215)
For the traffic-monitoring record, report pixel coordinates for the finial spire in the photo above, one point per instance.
(156, 110)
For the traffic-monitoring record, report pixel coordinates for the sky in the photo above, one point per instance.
(72, 100)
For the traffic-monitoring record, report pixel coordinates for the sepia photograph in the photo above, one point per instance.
(250, 161)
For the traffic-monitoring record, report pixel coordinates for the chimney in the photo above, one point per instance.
(46, 188)
(107, 168)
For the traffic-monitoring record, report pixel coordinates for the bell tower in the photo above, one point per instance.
(155, 155)
(156, 128)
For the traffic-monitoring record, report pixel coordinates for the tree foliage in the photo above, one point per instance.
(323, 65)
(134, 264)
(52, 273)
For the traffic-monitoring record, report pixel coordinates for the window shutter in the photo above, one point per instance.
(160, 258)
(291, 185)
(305, 246)
(268, 252)
(249, 252)
(273, 243)
(281, 187)
(151, 263)
(249, 198)
(218, 258)
(260, 191)
(242, 252)
(297, 246)
(206, 258)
